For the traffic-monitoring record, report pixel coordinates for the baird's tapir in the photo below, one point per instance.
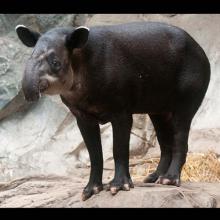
(106, 74)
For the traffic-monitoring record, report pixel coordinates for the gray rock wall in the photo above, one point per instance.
(43, 139)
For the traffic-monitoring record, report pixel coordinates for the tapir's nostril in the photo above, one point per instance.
(43, 85)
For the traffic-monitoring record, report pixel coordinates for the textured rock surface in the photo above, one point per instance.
(11, 56)
(43, 139)
(53, 191)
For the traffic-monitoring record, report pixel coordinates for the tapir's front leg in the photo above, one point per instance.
(121, 126)
(91, 134)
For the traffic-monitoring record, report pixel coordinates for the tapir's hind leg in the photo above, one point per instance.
(172, 131)
(164, 131)
(181, 127)
(182, 116)
(191, 87)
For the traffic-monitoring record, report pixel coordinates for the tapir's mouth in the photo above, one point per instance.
(43, 85)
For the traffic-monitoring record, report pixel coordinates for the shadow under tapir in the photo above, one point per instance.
(106, 74)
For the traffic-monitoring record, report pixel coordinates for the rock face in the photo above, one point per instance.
(43, 139)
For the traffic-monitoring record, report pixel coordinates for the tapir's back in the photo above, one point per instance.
(139, 38)
(146, 42)
(142, 61)
(143, 48)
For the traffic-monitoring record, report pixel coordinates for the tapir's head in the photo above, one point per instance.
(49, 69)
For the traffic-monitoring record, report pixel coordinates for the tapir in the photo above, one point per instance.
(108, 73)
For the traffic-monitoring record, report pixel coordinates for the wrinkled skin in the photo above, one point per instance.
(111, 72)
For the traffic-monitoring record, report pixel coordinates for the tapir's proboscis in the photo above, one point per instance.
(107, 74)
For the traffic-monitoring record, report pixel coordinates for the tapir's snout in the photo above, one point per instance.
(31, 91)
(30, 83)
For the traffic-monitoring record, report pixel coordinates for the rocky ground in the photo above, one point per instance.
(63, 192)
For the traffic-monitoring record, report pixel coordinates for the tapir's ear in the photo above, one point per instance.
(78, 38)
(27, 36)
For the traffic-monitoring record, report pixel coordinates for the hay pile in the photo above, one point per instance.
(199, 167)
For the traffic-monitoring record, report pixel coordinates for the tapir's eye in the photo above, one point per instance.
(54, 63)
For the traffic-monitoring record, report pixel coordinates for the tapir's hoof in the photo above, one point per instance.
(91, 190)
(151, 178)
(116, 185)
(168, 181)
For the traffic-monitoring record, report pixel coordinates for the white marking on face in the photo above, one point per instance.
(55, 86)
(51, 79)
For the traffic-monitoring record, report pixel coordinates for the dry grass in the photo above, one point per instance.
(199, 167)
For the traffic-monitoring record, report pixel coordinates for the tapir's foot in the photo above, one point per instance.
(120, 183)
(151, 178)
(169, 180)
(90, 190)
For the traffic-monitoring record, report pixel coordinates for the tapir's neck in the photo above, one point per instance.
(79, 87)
